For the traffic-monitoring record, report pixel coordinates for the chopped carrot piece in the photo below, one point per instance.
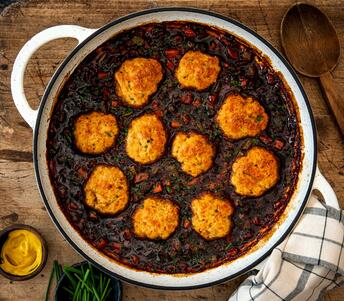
(82, 172)
(175, 124)
(189, 32)
(265, 139)
(157, 188)
(101, 243)
(212, 99)
(193, 181)
(186, 224)
(187, 98)
(232, 53)
(141, 177)
(278, 144)
(171, 53)
(102, 75)
(170, 65)
(196, 102)
(159, 113)
(186, 119)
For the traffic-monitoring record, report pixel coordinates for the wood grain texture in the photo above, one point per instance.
(19, 196)
(334, 98)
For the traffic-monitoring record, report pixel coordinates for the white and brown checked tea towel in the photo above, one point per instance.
(307, 264)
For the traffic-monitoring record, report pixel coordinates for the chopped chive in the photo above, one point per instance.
(82, 282)
(84, 295)
(85, 278)
(57, 270)
(107, 293)
(72, 270)
(60, 270)
(235, 83)
(96, 294)
(91, 271)
(105, 289)
(230, 245)
(76, 292)
(68, 290)
(70, 277)
(49, 283)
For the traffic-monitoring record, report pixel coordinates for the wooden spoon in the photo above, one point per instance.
(311, 44)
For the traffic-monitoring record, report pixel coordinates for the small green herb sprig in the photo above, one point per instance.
(56, 273)
(83, 283)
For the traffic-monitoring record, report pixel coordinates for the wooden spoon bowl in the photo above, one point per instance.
(311, 44)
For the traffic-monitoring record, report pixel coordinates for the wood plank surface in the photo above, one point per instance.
(19, 196)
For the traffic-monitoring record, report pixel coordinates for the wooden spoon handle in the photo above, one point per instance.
(336, 103)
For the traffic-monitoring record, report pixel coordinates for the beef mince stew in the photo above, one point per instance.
(236, 72)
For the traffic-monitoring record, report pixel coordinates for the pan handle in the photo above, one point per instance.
(24, 55)
(327, 192)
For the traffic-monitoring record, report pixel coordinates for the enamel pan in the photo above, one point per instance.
(89, 39)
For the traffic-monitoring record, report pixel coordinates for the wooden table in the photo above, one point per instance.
(19, 197)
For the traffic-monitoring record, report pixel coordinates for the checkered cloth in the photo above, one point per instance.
(306, 265)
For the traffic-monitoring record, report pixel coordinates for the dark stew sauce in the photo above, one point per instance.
(91, 87)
